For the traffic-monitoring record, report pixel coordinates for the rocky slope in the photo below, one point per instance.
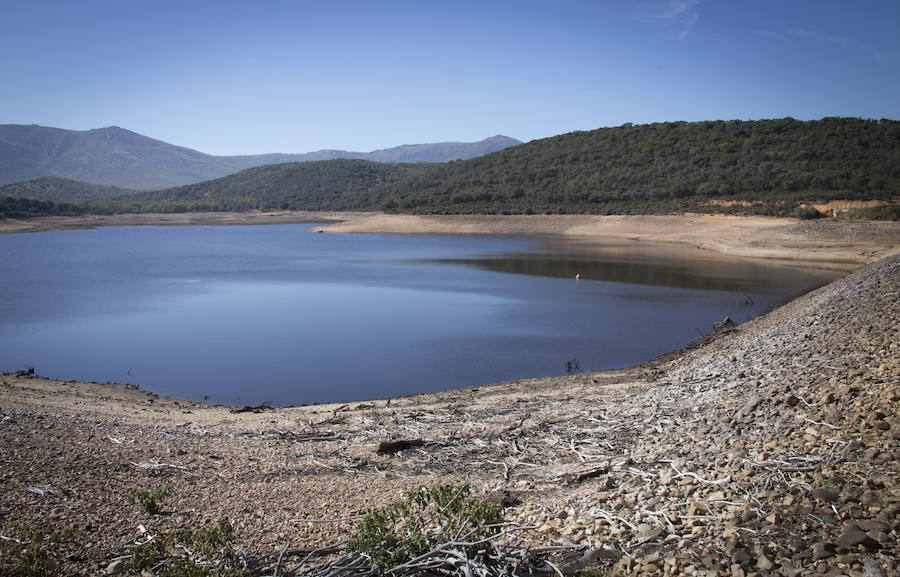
(773, 450)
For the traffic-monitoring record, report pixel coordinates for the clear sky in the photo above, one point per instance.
(256, 76)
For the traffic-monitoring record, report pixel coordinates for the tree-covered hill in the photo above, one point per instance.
(11, 207)
(674, 165)
(345, 184)
(60, 190)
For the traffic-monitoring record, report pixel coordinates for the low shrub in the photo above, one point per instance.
(807, 213)
(204, 552)
(149, 500)
(35, 551)
(423, 518)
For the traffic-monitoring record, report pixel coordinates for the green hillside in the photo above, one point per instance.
(672, 166)
(60, 190)
(11, 207)
(345, 184)
(751, 167)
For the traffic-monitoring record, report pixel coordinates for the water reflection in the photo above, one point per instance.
(645, 264)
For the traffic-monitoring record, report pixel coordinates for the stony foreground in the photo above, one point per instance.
(773, 451)
(770, 449)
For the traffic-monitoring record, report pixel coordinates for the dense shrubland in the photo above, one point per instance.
(772, 167)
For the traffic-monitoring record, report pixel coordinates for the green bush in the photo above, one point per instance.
(423, 519)
(148, 500)
(204, 552)
(807, 213)
(35, 551)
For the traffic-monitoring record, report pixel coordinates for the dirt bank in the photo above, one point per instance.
(48, 223)
(822, 242)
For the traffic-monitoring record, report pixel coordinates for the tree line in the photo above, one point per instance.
(12, 207)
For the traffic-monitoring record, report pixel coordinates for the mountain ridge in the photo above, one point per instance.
(118, 157)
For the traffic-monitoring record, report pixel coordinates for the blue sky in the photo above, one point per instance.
(256, 76)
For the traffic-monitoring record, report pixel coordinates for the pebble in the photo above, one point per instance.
(852, 536)
(825, 494)
(115, 566)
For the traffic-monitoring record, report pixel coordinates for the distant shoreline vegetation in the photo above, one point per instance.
(765, 167)
(12, 207)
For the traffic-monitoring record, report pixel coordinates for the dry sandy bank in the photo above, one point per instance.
(48, 223)
(824, 242)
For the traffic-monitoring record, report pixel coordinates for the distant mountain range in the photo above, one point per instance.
(120, 158)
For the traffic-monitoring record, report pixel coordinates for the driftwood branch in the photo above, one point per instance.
(266, 406)
(579, 476)
(153, 466)
(391, 447)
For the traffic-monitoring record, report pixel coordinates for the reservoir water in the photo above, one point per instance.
(253, 314)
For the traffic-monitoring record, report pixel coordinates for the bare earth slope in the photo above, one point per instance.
(819, 243)
(772, 449)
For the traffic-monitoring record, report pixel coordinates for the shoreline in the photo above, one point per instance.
(824, 243)
(90, 221)
(828, 243)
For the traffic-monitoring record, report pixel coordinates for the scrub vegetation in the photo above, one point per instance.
(765, 167)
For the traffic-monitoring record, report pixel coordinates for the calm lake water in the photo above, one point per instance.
(252, 314)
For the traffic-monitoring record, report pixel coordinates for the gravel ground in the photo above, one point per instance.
(770, 449)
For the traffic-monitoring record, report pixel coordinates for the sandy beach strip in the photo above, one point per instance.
(836, 244)
(252, 217)
(828, 243)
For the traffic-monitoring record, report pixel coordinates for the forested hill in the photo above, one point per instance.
(57, 189)
(765, 167)
(672, 166)
(344, 184)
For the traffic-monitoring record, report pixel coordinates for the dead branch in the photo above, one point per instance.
(579, 476)
(391, 447)
(14, 540)
(698, 477)
(266, 406)
(150, 465)
(42, 489)
(333, 419)
(337, 520)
